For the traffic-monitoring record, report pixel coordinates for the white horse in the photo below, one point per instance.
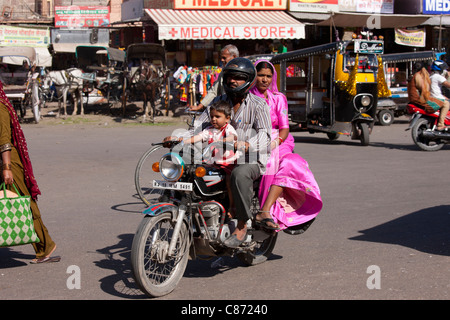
(68, 81)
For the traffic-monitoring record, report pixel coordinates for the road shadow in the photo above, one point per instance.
(426, 230)
(117, 258)
(11, 258)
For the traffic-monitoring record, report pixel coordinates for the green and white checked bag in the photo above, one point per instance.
(16, 220)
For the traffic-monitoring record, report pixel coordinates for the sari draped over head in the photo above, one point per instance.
(273, 88)
(20, 144)
(300, 201)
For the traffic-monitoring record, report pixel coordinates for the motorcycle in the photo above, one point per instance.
(189, 219)
(423, 128)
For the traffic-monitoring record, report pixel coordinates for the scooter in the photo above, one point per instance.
(423, 128)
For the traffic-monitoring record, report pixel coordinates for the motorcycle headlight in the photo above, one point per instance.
(171, 166)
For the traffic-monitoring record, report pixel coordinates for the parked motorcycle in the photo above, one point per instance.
(423, 128)
(189, 219)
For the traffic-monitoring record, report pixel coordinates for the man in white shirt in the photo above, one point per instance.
(437, 82)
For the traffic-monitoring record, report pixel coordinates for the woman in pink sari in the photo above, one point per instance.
(289, 194)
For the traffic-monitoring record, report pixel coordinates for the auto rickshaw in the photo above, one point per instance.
(333, 88)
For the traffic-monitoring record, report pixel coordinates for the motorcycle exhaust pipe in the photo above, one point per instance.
(436, 135)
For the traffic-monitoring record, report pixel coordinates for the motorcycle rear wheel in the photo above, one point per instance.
(423, 143)
(156, 273)
(144, 175)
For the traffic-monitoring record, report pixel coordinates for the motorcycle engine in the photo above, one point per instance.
(211, 212)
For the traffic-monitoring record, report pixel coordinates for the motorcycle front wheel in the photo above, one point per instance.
(156, 273)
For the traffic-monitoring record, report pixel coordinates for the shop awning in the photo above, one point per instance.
(443, 20)
(221, 24)
(374, 21)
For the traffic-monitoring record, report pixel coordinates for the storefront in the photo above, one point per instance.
(200, 33)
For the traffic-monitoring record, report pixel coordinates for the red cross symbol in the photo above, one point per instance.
(291, 31)
(173, 32)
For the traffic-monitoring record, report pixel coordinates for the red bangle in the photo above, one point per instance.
(281, 140)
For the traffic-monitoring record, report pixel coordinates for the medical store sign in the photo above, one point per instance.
(231, 4)
(436, 6)
(231, 32)
(81, 17)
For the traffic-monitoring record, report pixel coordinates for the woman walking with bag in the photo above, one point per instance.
(16, 168)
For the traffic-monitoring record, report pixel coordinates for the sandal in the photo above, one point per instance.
(45, 259)
(263, 223)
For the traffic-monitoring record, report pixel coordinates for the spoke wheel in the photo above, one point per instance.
(144, 175)
(156, 272)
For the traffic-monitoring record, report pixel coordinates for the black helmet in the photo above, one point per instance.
(239, 66)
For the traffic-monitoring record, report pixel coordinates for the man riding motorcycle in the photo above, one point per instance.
(251, 119)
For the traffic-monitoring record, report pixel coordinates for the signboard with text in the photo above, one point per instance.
(81, 17)
(231, 32)
(411, 38)
(314, 5)
(436, 6)
(367, 6)
(231, 4)
(30, 37)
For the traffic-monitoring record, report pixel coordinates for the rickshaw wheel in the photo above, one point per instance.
(333, 136)
(363, 133)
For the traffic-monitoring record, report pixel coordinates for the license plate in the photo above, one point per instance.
(183, 186)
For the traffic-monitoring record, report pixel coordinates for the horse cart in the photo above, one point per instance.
(19, 84)
(147, 76)
(103, 71)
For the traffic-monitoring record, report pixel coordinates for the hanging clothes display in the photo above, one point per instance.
(194, 83)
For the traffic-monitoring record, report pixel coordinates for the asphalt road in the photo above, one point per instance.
(384, 231)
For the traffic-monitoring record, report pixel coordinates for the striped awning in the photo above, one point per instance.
(222, 24)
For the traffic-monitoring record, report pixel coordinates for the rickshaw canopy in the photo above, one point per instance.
(15, 55)
(150, 51)
(409, 56)
(296, 54)
(90, 52)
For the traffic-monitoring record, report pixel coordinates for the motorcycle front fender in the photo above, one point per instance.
(159, 208)
(415, 117)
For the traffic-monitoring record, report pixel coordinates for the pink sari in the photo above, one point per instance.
(300, 200)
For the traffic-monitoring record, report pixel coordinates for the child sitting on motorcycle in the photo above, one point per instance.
(220, 130)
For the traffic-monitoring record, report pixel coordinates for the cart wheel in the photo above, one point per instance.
(333, 135)
(386, 117)
(363, 130)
